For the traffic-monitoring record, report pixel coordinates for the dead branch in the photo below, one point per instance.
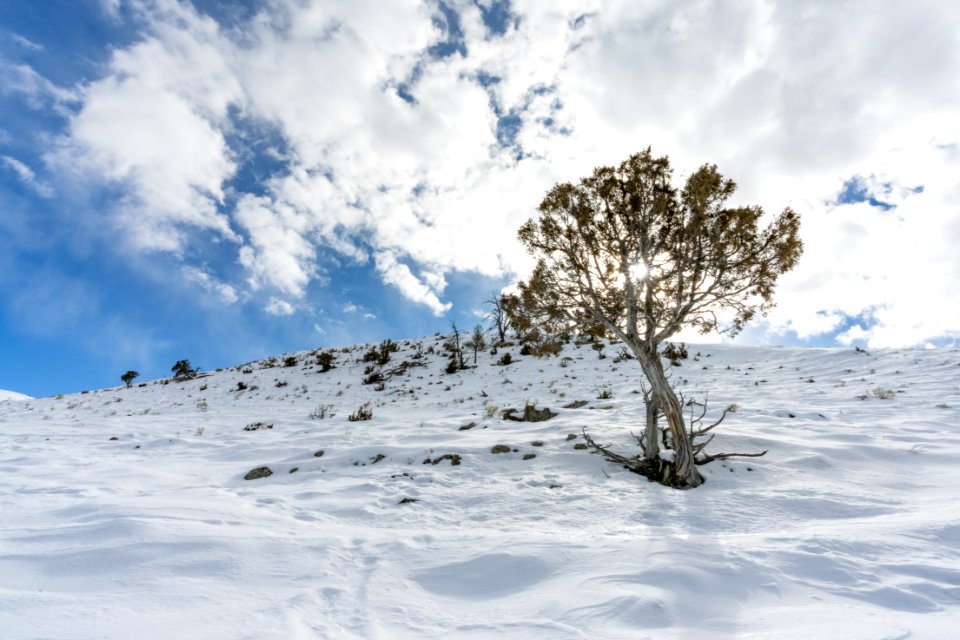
(724, 456)
(701, 432)
(610, 455)
(700, 447)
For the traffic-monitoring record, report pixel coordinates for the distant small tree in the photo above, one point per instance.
(519, 314)
(498, 316)
(625, 249)
(454, 346)
(477, 341)
(183, 370)
(129, 377)
(325, 360)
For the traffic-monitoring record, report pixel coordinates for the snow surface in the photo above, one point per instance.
(12, 395)
(124, 513)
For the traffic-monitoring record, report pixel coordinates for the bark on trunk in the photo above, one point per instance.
(684, 465)
(651, 435)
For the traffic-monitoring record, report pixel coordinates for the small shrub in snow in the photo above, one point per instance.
(530, 414)
(381, 353)
(675, 352)
(454, 459)
(505, 359)
(290, 361)
(322, 412)
(362, 413)
(883, 394)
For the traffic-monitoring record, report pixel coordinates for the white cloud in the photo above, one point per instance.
(399, 275)
(156, 125)
(39, 92)
(278, 307)
(227, 294)
(791, 100)
(279, 254)
(27, 176)
(25, 43)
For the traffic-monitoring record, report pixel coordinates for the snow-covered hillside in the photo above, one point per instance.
(12, 395)
(125, 513)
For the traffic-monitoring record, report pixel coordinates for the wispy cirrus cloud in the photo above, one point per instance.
(27, 176)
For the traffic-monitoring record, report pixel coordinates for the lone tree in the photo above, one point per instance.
(498, 316)
(129, 377)
(625, 249)
(182, 370)
(477, 341)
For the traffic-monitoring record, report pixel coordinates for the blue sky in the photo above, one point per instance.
(221, 181)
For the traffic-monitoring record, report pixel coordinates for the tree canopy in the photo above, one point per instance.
(625, 248)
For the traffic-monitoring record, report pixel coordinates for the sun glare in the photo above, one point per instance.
(638, 271)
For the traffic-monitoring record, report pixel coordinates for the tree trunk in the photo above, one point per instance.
(651, 435)
(684, 470)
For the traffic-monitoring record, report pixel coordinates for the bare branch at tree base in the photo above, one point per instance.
(657, 469)
(724, 456)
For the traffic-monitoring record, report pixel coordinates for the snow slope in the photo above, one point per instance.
(125, 512)
(12, 395)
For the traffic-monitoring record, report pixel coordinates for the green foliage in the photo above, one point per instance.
(373, 377)
(182, 370)
(381, 354)
(325, 360)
